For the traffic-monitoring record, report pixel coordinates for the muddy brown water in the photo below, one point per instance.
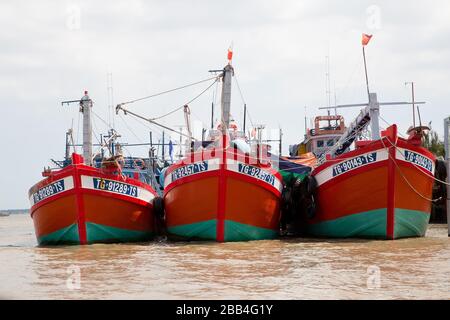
(278, 269)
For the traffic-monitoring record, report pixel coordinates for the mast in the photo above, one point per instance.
(212, 115)
(374, 114)
(306, 126)
(187, 120)
(86, 105)
(413, 101)
(85, 108)
(226, 96)
(365, 71)
(68, 138)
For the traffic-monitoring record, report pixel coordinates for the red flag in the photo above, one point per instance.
(230, 54)
(366, 38)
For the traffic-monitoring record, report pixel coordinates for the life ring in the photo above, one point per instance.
(138, 164)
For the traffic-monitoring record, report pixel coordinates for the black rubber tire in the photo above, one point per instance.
(312, 185)
(311, 210)
(158, 208)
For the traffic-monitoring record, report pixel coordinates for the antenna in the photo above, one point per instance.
(414, 105)
(281, 142)
(109, 88)
(306, 126)
(327, 79)
(245, 117)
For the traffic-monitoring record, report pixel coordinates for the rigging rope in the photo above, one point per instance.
(187, 103)
(168, 91)
(403, 176)
(433, 177)
(129, 129)
(389, 124)
(101, 119)
(243, 100)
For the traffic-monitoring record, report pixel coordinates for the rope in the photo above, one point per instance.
(95, 131)
(243, 100)
(168, 91)
(129, 129)
(403, 176)
(399, 133)
(425, 173)
(147, 126)
(187, 103)
(101, 119)
(71, 138)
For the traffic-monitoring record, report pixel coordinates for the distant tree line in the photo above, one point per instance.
(432, 142)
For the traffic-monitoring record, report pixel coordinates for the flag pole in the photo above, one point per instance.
(365, 69)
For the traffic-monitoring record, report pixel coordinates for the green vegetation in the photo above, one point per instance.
(432, 142)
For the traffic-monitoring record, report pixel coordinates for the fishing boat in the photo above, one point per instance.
(92, 198)
(224, 188)
(381, 189)
(222, 192)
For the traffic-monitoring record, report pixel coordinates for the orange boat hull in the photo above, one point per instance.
(379, 191)
(223, 204)
(79, 213)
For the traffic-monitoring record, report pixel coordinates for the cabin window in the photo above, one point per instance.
(330, 143)
(319, 143)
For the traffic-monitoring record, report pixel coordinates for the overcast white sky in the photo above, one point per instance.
(53, 50)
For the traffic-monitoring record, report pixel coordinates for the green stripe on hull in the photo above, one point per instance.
(205, 230)
(372, 224)
(65, 236)
(234, 231)
(410, 223)
(97, 233)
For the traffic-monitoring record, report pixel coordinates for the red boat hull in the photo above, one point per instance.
(382, 190)
(223, 201)
(81, 205)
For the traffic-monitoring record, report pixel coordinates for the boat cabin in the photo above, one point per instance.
(326, 132)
